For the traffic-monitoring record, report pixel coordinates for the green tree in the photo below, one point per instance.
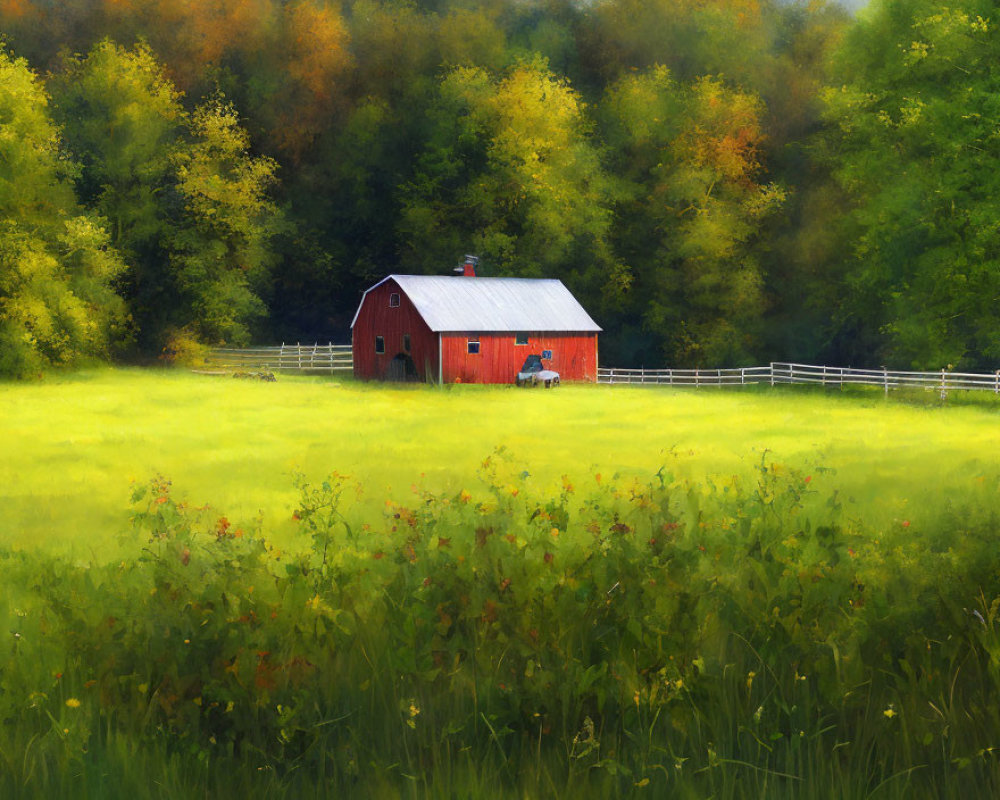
(511, 173)
(914, 146)
(57, 304)
(186, 201)
(220, 250)
(123, 121)
(693, 210)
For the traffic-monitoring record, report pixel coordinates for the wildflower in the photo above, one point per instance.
(72, 703)
(548, 558)
(554, 531)
(808, 478)
(906, 523)
(890, 712)
(378, 555)
(464, 497)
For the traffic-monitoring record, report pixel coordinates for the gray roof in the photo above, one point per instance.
(492, 304)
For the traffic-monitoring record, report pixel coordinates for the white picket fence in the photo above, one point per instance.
(781, 372)
(287, 357)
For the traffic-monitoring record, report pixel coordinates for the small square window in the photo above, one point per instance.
(406, 343)
(394, 300)
(520, 338)
(473, 347)
(379, 344)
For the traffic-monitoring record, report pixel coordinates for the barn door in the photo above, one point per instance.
(401, 369)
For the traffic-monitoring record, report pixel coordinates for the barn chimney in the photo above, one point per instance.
(468, 269)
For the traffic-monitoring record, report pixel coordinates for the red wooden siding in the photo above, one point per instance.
(376, 318)
(574, 356)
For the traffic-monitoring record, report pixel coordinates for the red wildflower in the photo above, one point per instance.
(548, 558)
(378, 555)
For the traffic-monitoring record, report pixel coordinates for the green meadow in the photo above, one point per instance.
(320, 588)
(71, 446)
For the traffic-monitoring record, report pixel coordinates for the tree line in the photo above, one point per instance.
(720, 182)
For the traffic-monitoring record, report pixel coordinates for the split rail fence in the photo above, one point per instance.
(287, 357)
(333, 357)
(781, 372)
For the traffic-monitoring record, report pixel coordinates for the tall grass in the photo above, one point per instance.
(605, 637)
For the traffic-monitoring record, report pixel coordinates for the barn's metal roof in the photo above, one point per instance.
(451, 304)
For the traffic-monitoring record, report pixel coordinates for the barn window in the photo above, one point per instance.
(406, 343)
(379, 344)
(473, 347)
(520, 338)
(394, 300)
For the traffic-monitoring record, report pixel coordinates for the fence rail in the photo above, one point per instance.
(686, 377)
(782, 372)
(287, 357)
(332, 357)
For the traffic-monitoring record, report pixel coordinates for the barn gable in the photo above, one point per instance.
(450, 304)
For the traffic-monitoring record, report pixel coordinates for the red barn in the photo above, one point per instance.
(469, 329)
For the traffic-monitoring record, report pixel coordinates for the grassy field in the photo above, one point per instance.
(644, 593)
(70, 446)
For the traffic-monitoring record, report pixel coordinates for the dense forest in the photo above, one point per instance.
(720, 182)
